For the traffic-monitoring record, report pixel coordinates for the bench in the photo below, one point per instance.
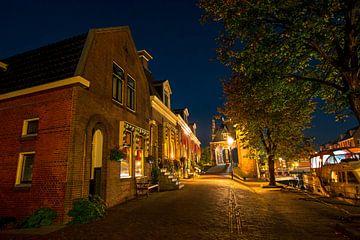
(143, 186)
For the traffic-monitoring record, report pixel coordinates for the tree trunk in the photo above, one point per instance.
(271, 170)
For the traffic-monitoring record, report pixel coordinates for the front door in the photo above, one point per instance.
(96, 163)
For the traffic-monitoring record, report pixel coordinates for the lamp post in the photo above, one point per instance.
(230, 141)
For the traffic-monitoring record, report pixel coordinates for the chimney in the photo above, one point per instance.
(145, 57)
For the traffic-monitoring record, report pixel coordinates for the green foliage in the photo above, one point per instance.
(155, 174)
(315, 42)
(41, 217)
(205, 156)
(87, 210)
(150, 159)
(116, 154)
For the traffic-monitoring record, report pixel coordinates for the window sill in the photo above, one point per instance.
(130, 110)
(22, 187)
(29, 137)
(125, 178)
(117, 102)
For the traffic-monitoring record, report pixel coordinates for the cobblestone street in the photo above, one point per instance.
(215, 207)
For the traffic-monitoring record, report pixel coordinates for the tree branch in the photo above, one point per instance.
(321, 81)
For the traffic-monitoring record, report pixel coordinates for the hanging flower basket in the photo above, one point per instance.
(116, 154)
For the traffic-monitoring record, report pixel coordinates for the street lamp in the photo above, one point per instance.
(230, 141)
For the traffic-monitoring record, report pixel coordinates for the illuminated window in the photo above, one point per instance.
(130, 93)
(25, 168)
(138, 156)
(117, 83)
(125, 167)
(30, 127)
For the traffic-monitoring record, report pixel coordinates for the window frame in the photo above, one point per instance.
(129, 157)
(25, 128)
(20, 169)
(127, 93)
(118, 80)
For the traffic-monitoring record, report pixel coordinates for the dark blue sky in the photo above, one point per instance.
(168, 29)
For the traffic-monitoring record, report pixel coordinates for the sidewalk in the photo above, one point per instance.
(349, 226)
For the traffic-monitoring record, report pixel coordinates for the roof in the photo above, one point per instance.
(42, 65)
(225, 128)
(151, 79)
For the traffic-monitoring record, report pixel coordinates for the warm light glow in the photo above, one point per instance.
(230, 140)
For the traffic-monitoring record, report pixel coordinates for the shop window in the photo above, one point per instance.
(30, 127)
(125, 167)
(25, 168)
(117, 83)
(138, 157)
(130, 93)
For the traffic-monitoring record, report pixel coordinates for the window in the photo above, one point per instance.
(117, 83)
(125, 166)
(130, 93)
(25, 168)
(30, 127)
(138, 156)
(352, 178)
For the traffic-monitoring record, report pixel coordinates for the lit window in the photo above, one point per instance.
(117, 83)
(138, 156)
(130, 93)
(125, 166)
(30, 127)
(25, 168)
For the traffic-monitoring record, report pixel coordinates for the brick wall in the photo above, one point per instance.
(51, 147)
(95, 109)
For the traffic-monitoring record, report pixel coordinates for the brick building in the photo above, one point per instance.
(63, 108)
(172, 139)
(223, 151)
(351, 138)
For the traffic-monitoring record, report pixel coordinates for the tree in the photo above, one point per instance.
(316, 41)
(272, 114)
(205, 156)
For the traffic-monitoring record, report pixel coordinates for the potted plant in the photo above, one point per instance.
(117, 154)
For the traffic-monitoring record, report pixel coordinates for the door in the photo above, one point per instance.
(96, 163)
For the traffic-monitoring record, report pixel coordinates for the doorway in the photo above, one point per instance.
(96, 163)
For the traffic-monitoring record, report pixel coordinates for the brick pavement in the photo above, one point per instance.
(212, 207)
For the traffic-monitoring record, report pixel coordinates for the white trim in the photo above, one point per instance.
(20, 165)
(25, 126)
(3, 66)
(159, 106)
(65, 82)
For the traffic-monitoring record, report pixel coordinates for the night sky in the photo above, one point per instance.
(183, 49)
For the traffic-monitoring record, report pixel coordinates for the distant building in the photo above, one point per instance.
(351, 138)
(223, 151)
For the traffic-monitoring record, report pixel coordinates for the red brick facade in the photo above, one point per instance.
(68, 117)
(51, 147)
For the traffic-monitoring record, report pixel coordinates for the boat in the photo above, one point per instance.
(335, 172)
